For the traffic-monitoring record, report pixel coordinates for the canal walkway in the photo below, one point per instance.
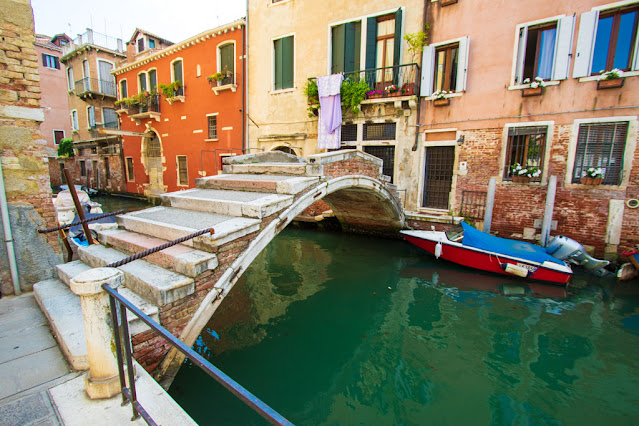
(37, 385)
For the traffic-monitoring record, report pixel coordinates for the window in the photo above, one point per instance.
(107, 80)
(74, 120)
(183, 177)
(83, 168)
(153, 80)
(91, 116)
(385, 153)
(70, 80)
(525, 146)
(607, 39)
(140, 44)
(349, 132)
(283, 50)
(212, 126)
(543, 50)
(176, 70)
(129, 169)
(109, 118)
(85, 69)
(124, 92)
(227, 62)
(50, 61)
(58, 135)
(385, 48)
(142, 82)
(379, 131)
(345, 47)
(444, 66)
(601, 145)
(107, 170)
(85, 84)
(151, 43)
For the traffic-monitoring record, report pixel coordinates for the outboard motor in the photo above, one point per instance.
(564, 248)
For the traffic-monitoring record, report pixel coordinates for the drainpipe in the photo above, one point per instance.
(419, 100)
(245, 86)
(8, 238)
(244, 80)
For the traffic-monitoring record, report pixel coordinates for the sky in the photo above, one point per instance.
(172, 20)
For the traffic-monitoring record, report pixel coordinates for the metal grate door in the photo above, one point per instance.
(387, 154)
(438, 176)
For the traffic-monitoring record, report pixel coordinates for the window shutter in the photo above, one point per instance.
(227, 54)
(585, 43)
(44, 60)
(462, 64)
(636, 65)
(371, 42)
(337, 63)
(349, 47)
(287, 62)
(177, 71)
(277, 83)
(57, 62)
(398, 37)
(563, 46)
(428, 64)
(521, 54)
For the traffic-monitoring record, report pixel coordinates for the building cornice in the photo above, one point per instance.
(87, 47)
(224, 29)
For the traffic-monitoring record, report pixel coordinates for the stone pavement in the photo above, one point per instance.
(30, 364)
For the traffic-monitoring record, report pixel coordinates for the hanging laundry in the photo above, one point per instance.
(329, 126)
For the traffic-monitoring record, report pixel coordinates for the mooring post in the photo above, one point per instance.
(490, 201)
(550, 206)
(102, 379)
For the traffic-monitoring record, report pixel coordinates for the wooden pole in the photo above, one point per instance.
(550, 206)
(490, 202)
(78, 206)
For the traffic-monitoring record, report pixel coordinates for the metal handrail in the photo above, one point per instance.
(121, 329)
(80, 222)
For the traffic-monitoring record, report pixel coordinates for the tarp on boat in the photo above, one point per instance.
(521, 249)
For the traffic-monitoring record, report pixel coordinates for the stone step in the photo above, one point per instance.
(290, 185)
(171, 223)
(64, 312)
(179, 258)
(233, 203)
(152, 282)
(282, 169)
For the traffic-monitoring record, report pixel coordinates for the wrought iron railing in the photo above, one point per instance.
(119, 305)
(152, 104)
(94, 85)
(96, 39)
(473, 204)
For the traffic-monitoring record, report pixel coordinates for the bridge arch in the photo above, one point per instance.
(361, 203)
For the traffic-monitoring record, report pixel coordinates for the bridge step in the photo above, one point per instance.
(179, 258)
(285, 169)
(64, 312)
(233, 203)
(150, 281)
(172, 223)
(290, 185)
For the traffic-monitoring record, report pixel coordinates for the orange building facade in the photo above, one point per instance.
(181, 110)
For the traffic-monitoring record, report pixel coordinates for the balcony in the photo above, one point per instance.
(150, 108)
(226, 83)
(95, 129)
(90, 87)
(95, 39)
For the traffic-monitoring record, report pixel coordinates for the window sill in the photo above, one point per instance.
(596, 77)
(211, 140)
(271, 4)
(175, 99)
(452, 95)
(287, 90)
(218, 89)
(527, 86)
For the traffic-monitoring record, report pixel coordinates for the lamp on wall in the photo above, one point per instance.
(461, 140)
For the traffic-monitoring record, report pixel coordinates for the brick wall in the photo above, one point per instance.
(352, 166)
(26, 174)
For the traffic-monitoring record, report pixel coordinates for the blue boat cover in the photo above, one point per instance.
(521, 249)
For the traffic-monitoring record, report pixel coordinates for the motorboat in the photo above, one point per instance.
(467, 246)
(65, 208)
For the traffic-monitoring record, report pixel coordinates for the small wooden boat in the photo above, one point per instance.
(629, 271)
(467, 246)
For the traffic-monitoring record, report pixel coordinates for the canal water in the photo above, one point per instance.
(331, 328)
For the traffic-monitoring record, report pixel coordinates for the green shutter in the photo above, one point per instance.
(352, 41)
(177, 71)
(277, 47)
(398, 36)
(337, 63)
(226, 58)
(371, 42)
(287, 62)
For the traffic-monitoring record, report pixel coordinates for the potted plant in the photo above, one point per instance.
(440, 99)
(170, 91)
(610, 79)
(220, 76)
(374, 94)
(352, 93)
(592, 176)
(408, 89)
(312, 97)
(524, 174)
(392, 90)
(536, 87)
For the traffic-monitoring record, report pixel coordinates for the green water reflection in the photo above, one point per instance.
(338, 329)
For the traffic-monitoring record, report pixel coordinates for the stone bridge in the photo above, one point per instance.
(182, 286)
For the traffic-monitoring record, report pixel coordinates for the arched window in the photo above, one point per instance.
(177, 71)
(226, 62)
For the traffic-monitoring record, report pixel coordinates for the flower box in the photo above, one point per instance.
(441, 102)
(521, 179)
(610, 84)
(591, 181)
(408, 89)
(374, 96)
(532, 91)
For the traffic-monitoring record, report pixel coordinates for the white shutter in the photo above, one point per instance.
(428, 71)
(563, 47)
(521, 54)
(462, 64)
(585, 43)
(636, 66)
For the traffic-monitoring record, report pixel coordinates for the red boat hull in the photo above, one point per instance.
(489, 262)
